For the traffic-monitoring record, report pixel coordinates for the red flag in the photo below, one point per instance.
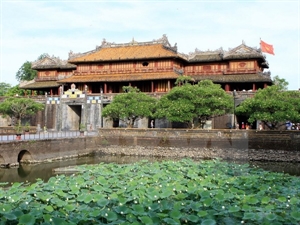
(266, 47)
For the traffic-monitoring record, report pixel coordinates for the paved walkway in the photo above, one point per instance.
(46, 135)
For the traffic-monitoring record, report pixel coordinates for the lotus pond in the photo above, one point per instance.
(167, 192)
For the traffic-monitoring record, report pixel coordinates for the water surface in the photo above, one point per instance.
(32, 172)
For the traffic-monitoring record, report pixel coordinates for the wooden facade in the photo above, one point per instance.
(150, 66)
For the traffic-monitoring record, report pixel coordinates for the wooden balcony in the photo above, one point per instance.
(244, 71)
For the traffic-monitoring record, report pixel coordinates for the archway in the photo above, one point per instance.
(24, 157)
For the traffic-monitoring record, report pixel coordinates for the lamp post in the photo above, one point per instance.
(234, 96)
(101, 97)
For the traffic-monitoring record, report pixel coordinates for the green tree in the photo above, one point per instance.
(20, 108)
(42, 56)
(281, 83)
(16, 91)
(272, 106)
(192, 104)
(25, 72)
(130, 106)
(4, 87)
(184, 80)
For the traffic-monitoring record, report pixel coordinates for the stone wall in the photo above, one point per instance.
(226, 144)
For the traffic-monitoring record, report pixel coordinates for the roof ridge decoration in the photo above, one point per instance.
(48, 60)
(73, 55)
(53, 61)
(191, 55)
(243, 49)
(38, 61)
(105, 44)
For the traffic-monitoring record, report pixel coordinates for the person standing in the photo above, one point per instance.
(247, 126)
(243, 125)
(152, 123)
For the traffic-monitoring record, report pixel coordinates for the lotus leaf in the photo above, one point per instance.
(70, 207)
(271, 216)
(58, 221)
(27, 219)
(208, 222)
(296, 215)
(265, 200)
(10, 216)
(175, 214)
(171, 221)
(112, 216)
(282, 199)
(138, 210)
(234, 209)
(146, 220)
(193, 218)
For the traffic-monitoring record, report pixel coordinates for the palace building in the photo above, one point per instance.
(152, 66)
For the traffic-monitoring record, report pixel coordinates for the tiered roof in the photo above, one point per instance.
(159, 48)
(206, 56)
(240, 52)
(243, 52)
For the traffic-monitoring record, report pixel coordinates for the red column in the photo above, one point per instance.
(105, 87)
(227, 87)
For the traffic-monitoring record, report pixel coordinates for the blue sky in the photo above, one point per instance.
(31, 28)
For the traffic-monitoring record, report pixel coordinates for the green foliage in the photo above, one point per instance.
(27, 127)
(184, 80)
(25, 72)
(42, 56)
(168, 192)
(16, 91)
(272, 106)
(281, 83)
(189, 102)
(18, 128)
(4, 87)
(19, 107)
(130, 106)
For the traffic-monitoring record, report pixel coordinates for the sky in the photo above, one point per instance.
(32, 28)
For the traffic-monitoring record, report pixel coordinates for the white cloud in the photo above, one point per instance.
(30, 28)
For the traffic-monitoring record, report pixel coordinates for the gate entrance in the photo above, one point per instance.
(73, 117)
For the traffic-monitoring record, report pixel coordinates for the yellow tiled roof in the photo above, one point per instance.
(127, 52)
(119, 77)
